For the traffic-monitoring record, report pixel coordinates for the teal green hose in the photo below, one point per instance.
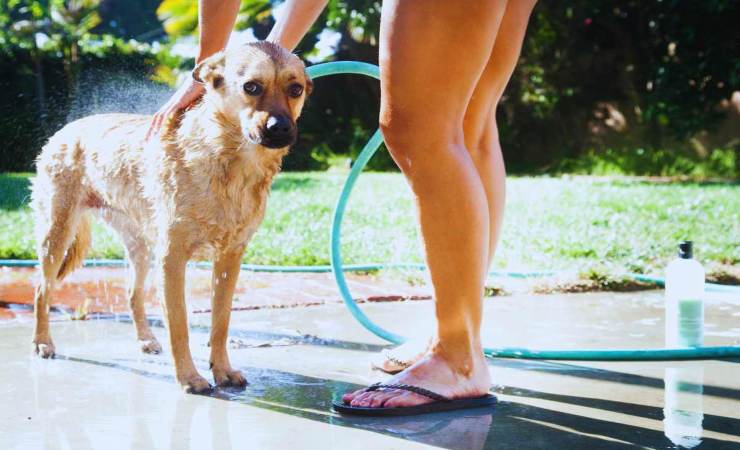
(350, 67)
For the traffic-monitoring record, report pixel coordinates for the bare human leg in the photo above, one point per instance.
(482, 141)
(428, 77)
(480, 128)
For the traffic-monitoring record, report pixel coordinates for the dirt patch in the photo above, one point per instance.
(724, 274)
(552, 286)
(593, 280)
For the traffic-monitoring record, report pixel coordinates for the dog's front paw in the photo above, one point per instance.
(43, 347)
(150, 346)
(228, 377)
(196, 384)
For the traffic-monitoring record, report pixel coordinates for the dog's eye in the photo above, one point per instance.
(295, 90)
(252, 88)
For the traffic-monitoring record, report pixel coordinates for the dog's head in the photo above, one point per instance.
(261, 86)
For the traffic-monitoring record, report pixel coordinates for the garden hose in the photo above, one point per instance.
(359, 68)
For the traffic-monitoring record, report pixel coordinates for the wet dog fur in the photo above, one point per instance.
(197, 190)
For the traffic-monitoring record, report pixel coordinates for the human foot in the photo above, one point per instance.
(432, 373)
(405, 355)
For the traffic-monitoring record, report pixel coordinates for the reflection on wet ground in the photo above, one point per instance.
(100, 392)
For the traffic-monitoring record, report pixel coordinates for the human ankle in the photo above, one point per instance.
(462, 358)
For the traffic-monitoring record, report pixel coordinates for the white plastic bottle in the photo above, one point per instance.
(684, 308)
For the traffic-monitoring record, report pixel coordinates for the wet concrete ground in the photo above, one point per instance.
(101, 393)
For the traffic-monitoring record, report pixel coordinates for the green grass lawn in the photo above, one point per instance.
(550, 223)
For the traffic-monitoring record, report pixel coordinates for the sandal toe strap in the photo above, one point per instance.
(407, 387)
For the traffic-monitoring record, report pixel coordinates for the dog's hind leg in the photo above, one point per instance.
(139, 256)
(225, 273)
(60, 248)
(172, 257)
(137, 292)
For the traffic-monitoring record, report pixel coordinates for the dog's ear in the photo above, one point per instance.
(211, 70)
(309, 84)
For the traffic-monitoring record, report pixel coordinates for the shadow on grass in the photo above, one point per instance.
(15, 190)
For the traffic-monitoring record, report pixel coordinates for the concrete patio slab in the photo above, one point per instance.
(100, 392)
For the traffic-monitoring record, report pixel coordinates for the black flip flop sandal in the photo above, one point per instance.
(440, 403)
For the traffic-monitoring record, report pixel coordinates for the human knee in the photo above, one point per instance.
(481, 135)
(397, 129)
(408, 134)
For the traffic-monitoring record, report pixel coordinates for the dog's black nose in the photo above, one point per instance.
(279, 132)
(278, 125)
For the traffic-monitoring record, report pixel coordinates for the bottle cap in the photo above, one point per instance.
(686, 250)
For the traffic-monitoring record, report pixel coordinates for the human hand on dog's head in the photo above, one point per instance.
(186, 95)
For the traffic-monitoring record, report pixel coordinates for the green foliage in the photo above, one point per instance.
(16, 189)
(359, 18)
(606, 86)
(59, 24)
(130, 19)
(180, 17)
(663, 66)
(44, 46)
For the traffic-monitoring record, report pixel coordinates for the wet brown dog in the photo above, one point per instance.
(198, 190)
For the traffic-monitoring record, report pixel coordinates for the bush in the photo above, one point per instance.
(605, 87)
(106, 83)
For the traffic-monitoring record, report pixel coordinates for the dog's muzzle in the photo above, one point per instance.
(279, 131)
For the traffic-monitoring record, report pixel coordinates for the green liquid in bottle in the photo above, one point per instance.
(690, 322)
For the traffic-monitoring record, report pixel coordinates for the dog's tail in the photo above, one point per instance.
(76, 253)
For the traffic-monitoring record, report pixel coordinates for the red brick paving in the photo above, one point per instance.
(103, 290)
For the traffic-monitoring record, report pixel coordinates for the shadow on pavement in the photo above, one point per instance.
(508, 425)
